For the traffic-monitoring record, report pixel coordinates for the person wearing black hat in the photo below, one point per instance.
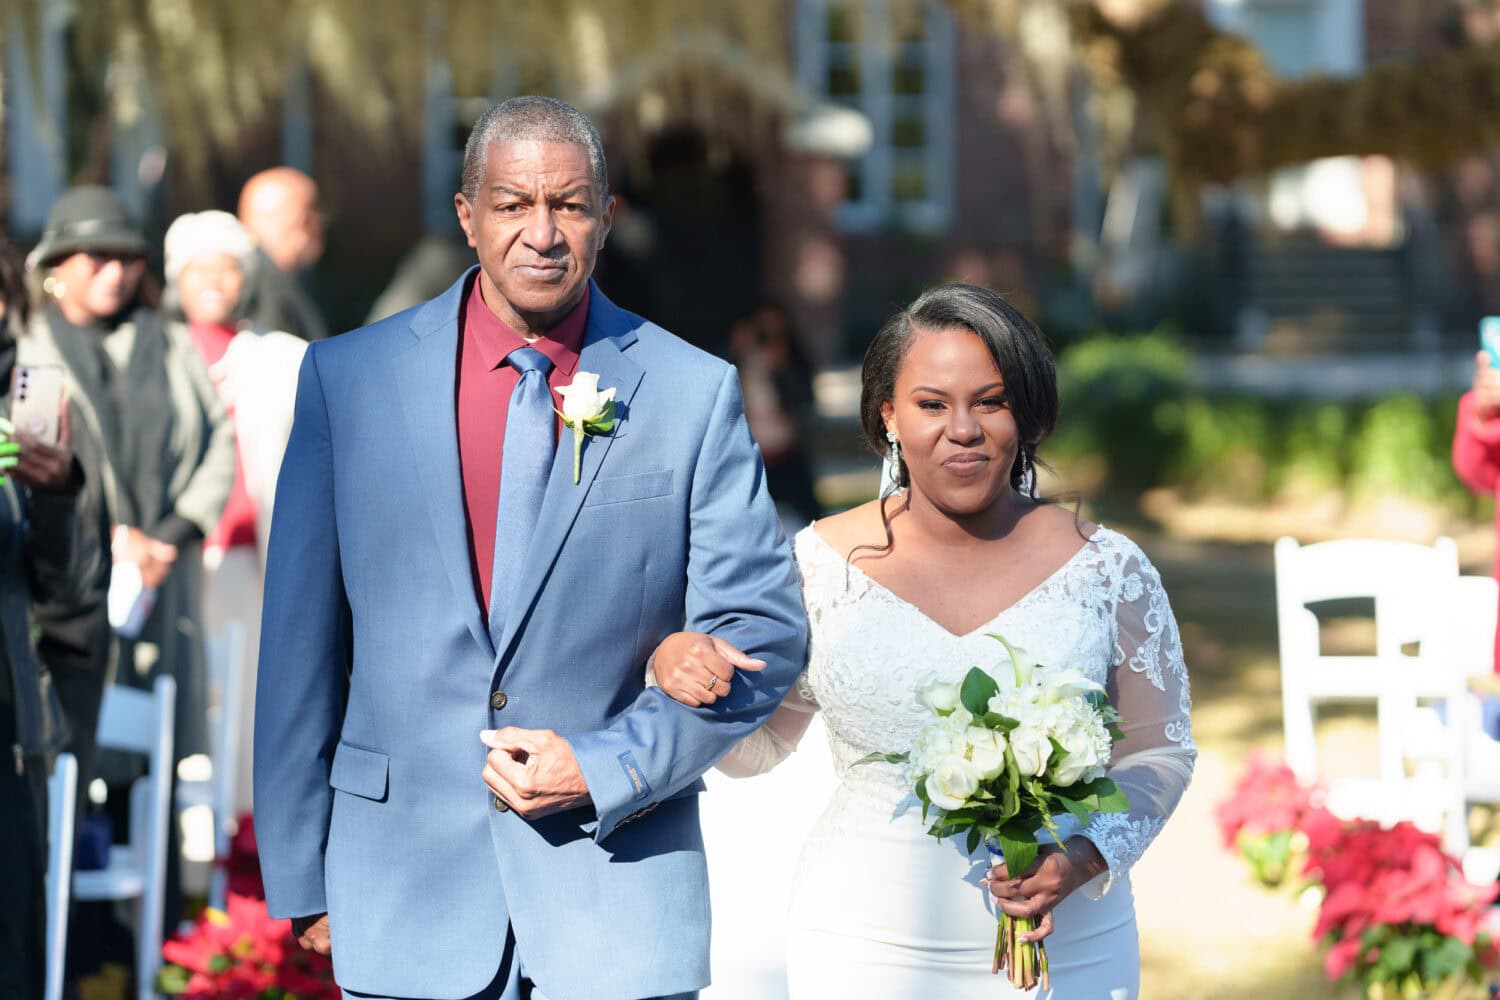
(167, 442)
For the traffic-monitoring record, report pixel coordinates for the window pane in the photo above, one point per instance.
(843, 79)
(909, 78)
(908, 21)
(908, 181)
(855, 191)
(909, 133)
(842, 23)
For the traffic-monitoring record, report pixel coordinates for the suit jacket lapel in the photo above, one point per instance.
(425, 375)
(610, 330)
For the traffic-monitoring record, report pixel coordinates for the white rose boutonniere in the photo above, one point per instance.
(586, 410)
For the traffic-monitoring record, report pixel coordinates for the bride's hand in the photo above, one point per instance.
(1052, 876)
(698, 669)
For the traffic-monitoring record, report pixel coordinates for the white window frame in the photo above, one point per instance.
(876, 209)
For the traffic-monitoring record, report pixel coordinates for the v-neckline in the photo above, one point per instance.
(988, 623)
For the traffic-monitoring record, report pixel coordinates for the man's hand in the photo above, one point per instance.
(697, 669)
(533, 771)
(1486, 387)
(42, 466)
(312, 933)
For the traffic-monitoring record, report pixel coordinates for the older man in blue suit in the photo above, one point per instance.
(463, 786)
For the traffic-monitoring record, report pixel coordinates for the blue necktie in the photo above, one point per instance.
(530, 429)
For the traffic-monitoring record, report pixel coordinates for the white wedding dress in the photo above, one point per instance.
(880, 910)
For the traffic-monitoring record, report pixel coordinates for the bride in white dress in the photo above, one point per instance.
(959, 389)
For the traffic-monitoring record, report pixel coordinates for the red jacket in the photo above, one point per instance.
(1476, 459)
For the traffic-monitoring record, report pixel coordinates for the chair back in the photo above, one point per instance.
(142, 723)
(62, 806)
(226, 666)
(1408, 584)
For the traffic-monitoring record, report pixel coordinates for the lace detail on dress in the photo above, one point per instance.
(1104, 608)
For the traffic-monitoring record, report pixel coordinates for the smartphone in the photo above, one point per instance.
(36, 401)
(1489, 339)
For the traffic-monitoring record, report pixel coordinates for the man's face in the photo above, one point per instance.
(538, 223)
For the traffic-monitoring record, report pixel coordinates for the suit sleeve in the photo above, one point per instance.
(742, 586)
(302, 685)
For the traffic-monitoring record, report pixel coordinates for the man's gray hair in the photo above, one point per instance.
(532, 119)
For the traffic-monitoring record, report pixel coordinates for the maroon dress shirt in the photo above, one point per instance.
(485, 383)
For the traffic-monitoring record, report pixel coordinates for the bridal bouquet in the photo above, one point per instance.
(1002, 754)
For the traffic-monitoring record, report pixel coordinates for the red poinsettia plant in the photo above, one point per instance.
(1398, 916)
(242, 952)
(1264, 815)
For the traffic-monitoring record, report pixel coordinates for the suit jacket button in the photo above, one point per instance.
(500, 805)
(498, 700)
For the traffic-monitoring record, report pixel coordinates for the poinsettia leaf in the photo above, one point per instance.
(976, 691)
(1442, 961)
(1398, 955)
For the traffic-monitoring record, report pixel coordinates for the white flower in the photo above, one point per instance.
(1085, 741)
(941, 737)
(1065, 685)
(986, 751)
(582, 401)
(952, 783)
(937, 696)
(1031, 747)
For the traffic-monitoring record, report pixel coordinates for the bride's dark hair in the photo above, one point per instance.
(1019, 350)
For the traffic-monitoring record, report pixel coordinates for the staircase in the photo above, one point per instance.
(1307, 297)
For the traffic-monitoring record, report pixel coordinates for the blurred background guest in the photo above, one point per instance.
(279, 207)
(48, 559)
(168, 445)
(210, 261)
(1476, 441)
(776, 381)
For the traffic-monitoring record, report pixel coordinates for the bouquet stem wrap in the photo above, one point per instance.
(1025, 962)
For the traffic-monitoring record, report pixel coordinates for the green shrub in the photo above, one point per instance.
(1122, 399)
(1227, 446)
(1393, 452)
(1314, 453)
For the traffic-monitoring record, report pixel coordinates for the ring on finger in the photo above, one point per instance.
(713, 680)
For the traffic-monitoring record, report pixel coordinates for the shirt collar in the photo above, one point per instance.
(495, 339)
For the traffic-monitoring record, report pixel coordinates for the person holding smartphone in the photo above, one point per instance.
(1476, 439)
(50, 561)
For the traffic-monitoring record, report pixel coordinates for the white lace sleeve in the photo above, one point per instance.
(773, 742)
(1148, 683)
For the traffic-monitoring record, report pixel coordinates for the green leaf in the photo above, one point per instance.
(1114, 801)
(1398, 955)
(882, 758)
(1019, 848)
(1076, 808)
(974, 838)
(1002, 723)
(977, 690)
(1444, 960)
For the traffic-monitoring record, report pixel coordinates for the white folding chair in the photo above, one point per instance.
(138, 722)
(226, 665)
(1408, 583)
(1467, 647)
(62, 806)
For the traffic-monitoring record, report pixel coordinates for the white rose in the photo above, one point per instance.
(1086, 744)
(986, 751)
(937, 696)
(952, 783)
(941, 737)
(582, 401)
(1031, 747)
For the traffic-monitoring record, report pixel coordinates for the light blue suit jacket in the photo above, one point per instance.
(376, 670)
